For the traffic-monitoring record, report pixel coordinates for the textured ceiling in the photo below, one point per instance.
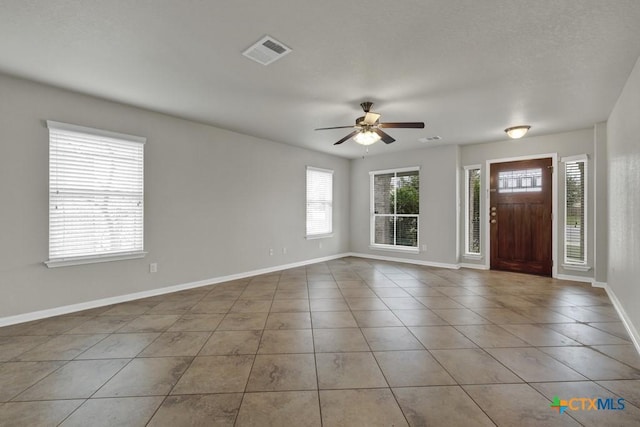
(468, 68)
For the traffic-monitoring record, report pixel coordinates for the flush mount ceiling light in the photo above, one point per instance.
(366, 137)
(516, 132)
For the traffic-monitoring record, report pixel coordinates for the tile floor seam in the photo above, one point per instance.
(464, 390)
(37, 381)
(72, 412)
(315, 360)
(568, 366)
(110, 378)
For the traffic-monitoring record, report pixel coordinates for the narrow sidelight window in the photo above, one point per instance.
(472, 210)
(575, 224)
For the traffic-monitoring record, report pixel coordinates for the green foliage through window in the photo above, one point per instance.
(396, 207)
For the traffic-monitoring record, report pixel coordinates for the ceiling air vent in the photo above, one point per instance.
(266, 51)
(430, 138)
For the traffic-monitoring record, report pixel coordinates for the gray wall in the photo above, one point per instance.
(564, 144)
(623, 159)
(437, 222)
(215, 201)
(601, 239)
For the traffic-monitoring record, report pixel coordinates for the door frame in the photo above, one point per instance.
(554, 206)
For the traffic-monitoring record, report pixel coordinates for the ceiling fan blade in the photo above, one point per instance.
(386, 138)
(351, 135)
(335, 127)
(408, 125)
(371, 118)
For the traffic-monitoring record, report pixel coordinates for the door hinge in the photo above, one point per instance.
(550, 167)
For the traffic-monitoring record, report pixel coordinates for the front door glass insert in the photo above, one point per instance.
(520, 181)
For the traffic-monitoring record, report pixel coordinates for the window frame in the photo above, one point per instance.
(572, 264)
(467, 219)
(373, 215)
(323, 234)
(95, 257)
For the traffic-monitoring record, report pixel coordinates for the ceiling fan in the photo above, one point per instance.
(368, 128)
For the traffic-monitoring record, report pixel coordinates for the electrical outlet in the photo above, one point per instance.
(319, 245)
(284, 251)
(270, 251)
(153, 267)
(424, 248)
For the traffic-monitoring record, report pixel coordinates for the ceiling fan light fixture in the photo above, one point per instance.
(368, 129)
(516, 132)
(367, 137)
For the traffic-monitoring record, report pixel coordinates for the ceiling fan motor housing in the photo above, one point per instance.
(366, 106)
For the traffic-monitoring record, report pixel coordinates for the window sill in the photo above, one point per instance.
(576, 267)
(318, 236)
(395, 249)
(65, 262)
(475, 257)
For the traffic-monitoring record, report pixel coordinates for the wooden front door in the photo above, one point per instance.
(520, 216)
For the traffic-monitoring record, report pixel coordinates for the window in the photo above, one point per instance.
(319, 202)
(575, 225)
(395, 207)
(95, 195)
(520, 181)
(472, 211)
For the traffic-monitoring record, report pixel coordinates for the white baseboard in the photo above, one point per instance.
(583, 279)
(474, 266)
(575, 278)
(42, 314)
(406, 261)
(631, 329)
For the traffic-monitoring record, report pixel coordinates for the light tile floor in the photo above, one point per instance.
(350, 342)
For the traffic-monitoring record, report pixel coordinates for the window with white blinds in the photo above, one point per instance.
(96, 195)
(575, 224)
(472, 211)
(319, 202)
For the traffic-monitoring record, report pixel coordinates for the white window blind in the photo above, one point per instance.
(319, 201)
(96, 194)
(575, 225)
